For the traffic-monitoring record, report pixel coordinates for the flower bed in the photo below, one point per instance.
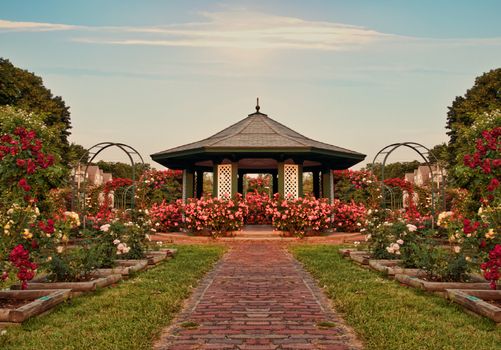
(300, 216)
(34, 302)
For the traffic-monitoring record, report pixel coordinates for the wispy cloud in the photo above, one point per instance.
(228, 29)
(242, 29)
(33, 26)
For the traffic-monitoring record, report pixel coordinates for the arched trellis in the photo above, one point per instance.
(425, 154)
(125, 194)
(393, 199)
(80, 192)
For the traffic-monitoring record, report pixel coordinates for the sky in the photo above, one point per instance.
(155, 74)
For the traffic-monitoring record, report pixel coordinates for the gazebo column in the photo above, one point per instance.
(280, 182)
(199, 183)
(240, 182)
(187, 184)
(225, 179)
(316, 183)
(234, 178)
(289, 180)
(274, 183)
(328, 185)
(300, 180)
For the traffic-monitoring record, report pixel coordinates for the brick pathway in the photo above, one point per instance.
(258, 297)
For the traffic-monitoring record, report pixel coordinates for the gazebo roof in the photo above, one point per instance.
(256, 135)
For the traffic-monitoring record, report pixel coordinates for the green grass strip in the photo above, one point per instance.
(389, 316)
(128, 316)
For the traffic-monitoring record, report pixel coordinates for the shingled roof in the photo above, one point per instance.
(258, 133)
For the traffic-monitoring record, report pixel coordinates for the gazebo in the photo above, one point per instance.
(258, 144)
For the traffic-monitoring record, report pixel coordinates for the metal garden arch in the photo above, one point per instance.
(80, 193)
(425, 154)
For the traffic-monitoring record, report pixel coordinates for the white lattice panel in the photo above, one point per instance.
(224, 180)
(291, 180)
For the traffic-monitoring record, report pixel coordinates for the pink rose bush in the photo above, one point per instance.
(167, 217)
(348, 217)
(214, 216)
(257, 204)
(300, 216)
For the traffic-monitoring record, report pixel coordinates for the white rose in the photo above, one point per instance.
(105, 228)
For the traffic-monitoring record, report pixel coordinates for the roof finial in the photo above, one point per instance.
(257, 105)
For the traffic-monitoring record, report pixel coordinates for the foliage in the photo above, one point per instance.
(75, 264)
(387, 316)
(260, 184)
(25, 90)
(492, 266)
(123, 170)
(485, 166)
(300, 216)
(28, 149)
(442, 264)
(441, 153)
(214, 216)
(393, 170)
(356, 186)
(167, 217)
(156, 186)
(478, 102)
(77, 153)
(132, 312)
(257, 203)
(348, 217)
(27, 173)
(387, 235)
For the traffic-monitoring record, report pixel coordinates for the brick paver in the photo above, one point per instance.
(258, 297)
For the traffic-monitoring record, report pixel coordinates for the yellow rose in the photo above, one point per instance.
(27, 234)
(490, 234)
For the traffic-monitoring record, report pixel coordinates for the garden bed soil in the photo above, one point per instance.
(42, 283)
(18, 305)
(483, 302)
(392, 268)
(125, 268)
(439, 287)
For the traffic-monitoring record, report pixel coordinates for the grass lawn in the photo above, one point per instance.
(128, 316)
(388, 316)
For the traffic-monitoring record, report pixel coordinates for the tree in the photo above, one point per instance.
(441, 153)
(483, 97)
(77, 153)
(25, 90)
(394, 170)
(122, 170)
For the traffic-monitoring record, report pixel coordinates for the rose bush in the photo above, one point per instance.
(28, 171)
(257, 204)
(300, 216)
(214, 216)
(348, 217)
(167, 217)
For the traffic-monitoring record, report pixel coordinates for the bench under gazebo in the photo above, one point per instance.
(258, 144)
